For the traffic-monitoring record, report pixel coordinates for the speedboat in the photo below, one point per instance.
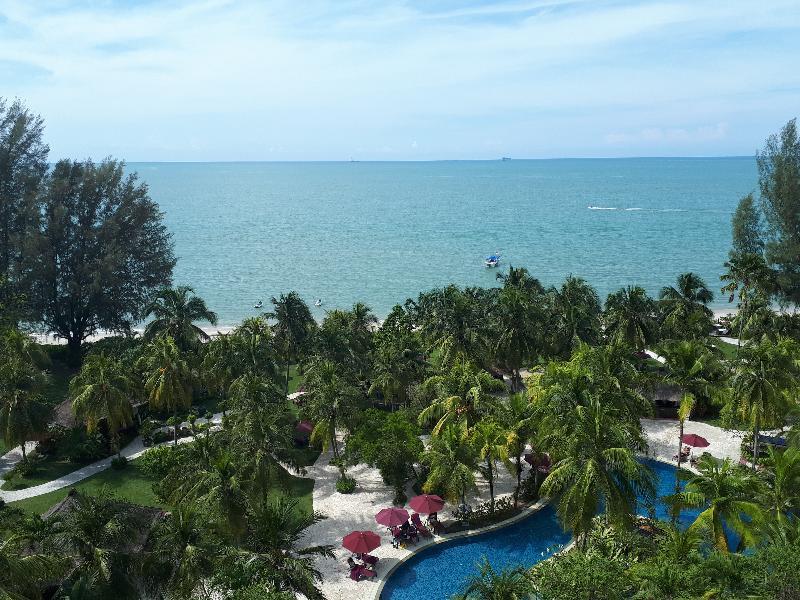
(493, 260)
(258, 304)
(318, 302)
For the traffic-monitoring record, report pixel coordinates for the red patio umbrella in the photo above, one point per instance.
(392, 517)
(361, 542)
(426, 504)
(305, 427)
(694, 440)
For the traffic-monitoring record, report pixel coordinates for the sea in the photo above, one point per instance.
(381, 232)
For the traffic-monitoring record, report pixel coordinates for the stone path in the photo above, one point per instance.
(133, 450)
(662, 437)
(10, 459)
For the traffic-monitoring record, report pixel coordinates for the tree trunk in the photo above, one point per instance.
(74, 350)
(519, 480)
(175, 428)
(680, 457)
(756, 429)
(491, 483)
(288, 364)
(24, 456)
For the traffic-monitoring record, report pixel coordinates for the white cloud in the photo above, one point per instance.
(221, 79)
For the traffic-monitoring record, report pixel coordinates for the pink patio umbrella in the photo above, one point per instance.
(392, 517)
(694, 440)
(426, 504)
(305, 427)
(361, 542)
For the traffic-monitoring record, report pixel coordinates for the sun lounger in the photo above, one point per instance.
(420, 527)
(368, 559)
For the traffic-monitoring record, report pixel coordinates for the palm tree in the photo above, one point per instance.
(174, 311)
(96, 531)
(630, 317)
(294, 328)
(781, 492)
(520, 279)
(22, 412)
(332, 400)
(24, 574)
(179, 557)
(395, 368)
(518, 422)
(763, 382)
(101, 391)
(684, 306)
(725, 493)
(749, 275)
(489, 440)
(463, 394)
(692, 368)
(517, 323)
(452, 463)
(168, 380)
(599, 471)
(452, 323)
(215, 487)
(273, 547)
(577, 312)
(513, 583)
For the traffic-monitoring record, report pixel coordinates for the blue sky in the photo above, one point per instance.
(393, 80)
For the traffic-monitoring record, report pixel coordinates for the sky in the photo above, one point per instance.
(217, 80)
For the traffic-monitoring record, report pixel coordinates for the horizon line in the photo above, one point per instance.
(434, 160)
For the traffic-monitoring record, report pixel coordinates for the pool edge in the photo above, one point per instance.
(526, 511)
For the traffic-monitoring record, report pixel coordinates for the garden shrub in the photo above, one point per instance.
(346, 485)
(157, 462)
(119, 463)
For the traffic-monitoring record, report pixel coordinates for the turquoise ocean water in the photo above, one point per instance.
(382, 232)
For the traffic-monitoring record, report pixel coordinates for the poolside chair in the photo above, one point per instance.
(415, 520)
(369, 559)
(359, 573)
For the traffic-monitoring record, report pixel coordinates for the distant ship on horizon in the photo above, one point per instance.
(505, 158)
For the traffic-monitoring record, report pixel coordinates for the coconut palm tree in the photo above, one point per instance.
(24, 574)
(462, 394)
(693, 368)
(576, 313)
(489, 439)
(452, 461)
(599, 471)
(332, 401)
(763, 382)
(518, 422)
(294, 328)
(215, 487)
(101, 391)
(453, 324)
(168, 378)
(397, 365)
(179, 556)
(513, 583)
(96, 531)
(22, 411)
(725, 494)
(274, 547)
(749, 275)
(521, 279)
(781, 491)
(174, 312)
(684, 306)
(518, 322)
(630, 317)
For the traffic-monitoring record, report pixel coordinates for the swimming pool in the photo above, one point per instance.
(441, 570)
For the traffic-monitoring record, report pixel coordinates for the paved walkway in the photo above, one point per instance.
(10, 459)
(662, 437)
(133, 450)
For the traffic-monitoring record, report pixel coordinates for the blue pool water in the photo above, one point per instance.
(440, 571)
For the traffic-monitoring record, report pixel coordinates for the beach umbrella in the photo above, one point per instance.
(694, 440)
(392, 517)
(305, 427)
(426, 504)
(361, 542)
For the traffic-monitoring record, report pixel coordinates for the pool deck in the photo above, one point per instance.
(356, 511)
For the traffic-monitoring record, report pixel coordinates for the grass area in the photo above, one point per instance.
(295, 379)
(728, 350)
(49, 469)
(130, 484)
(133, 485)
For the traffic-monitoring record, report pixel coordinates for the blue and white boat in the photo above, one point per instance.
(493, 260)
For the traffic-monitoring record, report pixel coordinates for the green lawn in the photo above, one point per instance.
(134, 486)
(49, 470)
(728, 350)
(295, 379)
